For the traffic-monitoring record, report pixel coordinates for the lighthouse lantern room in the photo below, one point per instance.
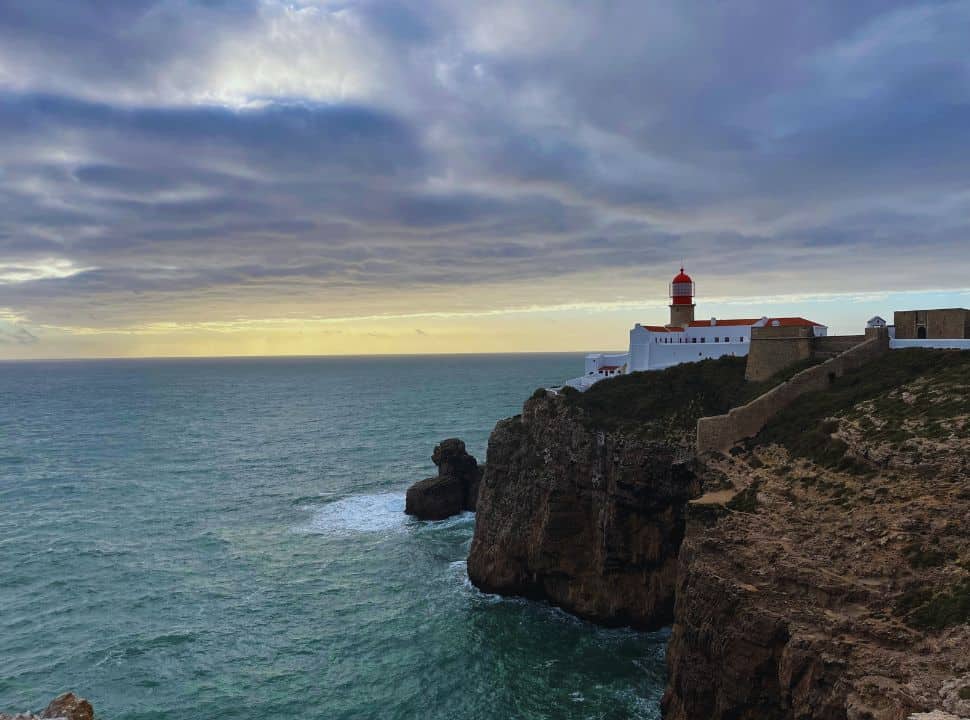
(681, 300)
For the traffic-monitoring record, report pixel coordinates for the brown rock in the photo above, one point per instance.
(591, 522)
(64, 707)
(435, 498)
(454, 490)
(69, 707)
(836, 595)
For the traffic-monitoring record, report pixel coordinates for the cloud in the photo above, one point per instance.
(15, 334)
(166, 158)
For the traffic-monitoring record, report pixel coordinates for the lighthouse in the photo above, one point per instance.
(686, 340)
(681, 300)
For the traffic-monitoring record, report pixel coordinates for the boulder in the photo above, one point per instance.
(64, 707)
(454, 490)
(435, 498)
(70, 707)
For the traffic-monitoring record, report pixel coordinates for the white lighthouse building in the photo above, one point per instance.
(683, 339)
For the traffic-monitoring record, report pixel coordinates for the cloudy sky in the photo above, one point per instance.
(182, 177)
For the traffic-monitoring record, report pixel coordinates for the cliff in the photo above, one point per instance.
(583, 498)
(820, 570)
(832, 579)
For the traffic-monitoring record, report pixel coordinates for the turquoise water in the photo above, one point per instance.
(225, 539)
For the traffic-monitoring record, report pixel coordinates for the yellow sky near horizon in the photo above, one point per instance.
(562, 328)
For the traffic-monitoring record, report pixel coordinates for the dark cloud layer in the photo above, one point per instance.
(166, 149)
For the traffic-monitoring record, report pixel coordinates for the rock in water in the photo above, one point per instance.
(587, 520)
(64, 707)
(454, 490)
(435, 498)
(70, 707)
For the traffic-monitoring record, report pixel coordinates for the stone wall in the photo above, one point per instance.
(944, 323)
(775, 348)
(720, 432)
(681, 315)
(835, 344)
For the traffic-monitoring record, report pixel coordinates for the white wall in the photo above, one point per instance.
(594, 361)
(720, 331)
(649, 351)
(663, 355)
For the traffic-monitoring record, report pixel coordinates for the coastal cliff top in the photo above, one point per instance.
(847, 519)
(667, 403)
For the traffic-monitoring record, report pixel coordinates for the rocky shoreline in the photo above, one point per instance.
(64, 707)
(820, 570)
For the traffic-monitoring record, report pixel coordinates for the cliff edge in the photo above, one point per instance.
(583, 498)
(831, 578)
(820, 570)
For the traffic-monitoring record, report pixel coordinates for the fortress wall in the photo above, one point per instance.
(720, 432)
(775, 348)
(948, 323)
(837, 343)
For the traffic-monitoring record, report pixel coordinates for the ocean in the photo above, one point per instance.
(225, 538)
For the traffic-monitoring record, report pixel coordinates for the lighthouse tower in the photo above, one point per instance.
(681, 300)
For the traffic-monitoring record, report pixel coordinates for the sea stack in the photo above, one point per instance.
(453, 490)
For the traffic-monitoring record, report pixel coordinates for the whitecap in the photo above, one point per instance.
(359, 513)
(459, 572)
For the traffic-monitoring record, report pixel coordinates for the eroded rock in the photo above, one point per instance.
(454, 490)
(589, 521)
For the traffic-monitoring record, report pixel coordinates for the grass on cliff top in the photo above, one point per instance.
(670, 400)
(929, 609)
(803, 429)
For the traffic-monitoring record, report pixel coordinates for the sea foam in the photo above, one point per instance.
(359, 514)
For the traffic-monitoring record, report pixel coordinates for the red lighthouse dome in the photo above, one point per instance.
(682, 289)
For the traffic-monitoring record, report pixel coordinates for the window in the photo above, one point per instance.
(693, 340)
(703, 339)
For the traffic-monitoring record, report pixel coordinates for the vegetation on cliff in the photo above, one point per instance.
(667, 403)
(869, 397)
(832, 579)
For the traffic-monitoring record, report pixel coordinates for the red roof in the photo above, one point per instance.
(661, 328)
(707, 323)
(793, 322)
(782, 322)
(682, 277)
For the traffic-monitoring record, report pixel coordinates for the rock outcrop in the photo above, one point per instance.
(64, 707)
(454, 490)
(821, 571)
(590, 521)
(833, 581)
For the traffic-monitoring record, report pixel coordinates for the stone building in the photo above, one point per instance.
(951, 323)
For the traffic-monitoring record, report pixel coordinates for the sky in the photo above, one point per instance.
(261, 177)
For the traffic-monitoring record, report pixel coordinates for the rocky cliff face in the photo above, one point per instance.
(588, 520)
(819, 572)
(832, 581)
